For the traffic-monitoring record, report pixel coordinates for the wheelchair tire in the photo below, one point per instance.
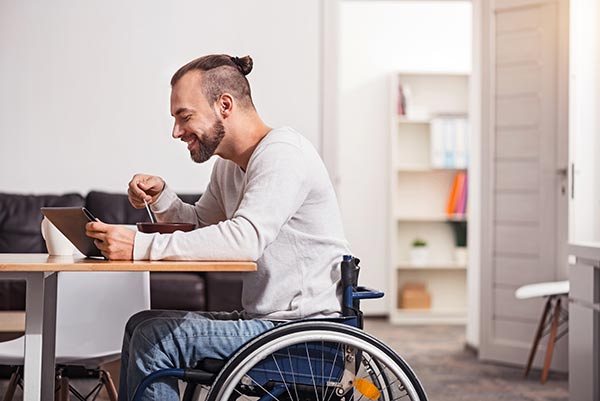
(380, 366)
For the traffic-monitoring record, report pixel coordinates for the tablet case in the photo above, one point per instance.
(71, 222)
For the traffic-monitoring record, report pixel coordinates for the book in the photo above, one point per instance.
(452, 198)
(461, 205)
(449, 135)
(458, 195)
(461, 150)
(437, 144)
(401, 106)
(449, 144)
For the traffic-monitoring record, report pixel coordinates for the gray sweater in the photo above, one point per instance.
(282, 212)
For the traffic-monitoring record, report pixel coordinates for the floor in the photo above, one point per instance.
(448, 371)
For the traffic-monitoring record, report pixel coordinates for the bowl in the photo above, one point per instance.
(164, 228)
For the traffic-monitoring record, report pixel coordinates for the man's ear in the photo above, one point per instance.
(225, 105)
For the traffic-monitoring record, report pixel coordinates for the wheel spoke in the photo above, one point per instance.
(311, 371)
(282, 378)
(337, 351)
(390, 384)
(240, 393)
(323, 369)
(293, 376)
(262, 388)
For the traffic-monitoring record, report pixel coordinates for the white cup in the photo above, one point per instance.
(56, 242)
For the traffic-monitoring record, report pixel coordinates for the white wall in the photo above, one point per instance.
(378, 38)
(584, 120)
(85, 85)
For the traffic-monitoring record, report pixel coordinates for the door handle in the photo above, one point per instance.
(572, 180)
(563, 173)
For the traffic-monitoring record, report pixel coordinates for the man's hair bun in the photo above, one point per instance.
(244, 64)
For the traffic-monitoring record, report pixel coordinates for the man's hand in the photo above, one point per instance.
(115, 242)
(144, 187)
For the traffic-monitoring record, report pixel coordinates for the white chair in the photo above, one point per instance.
(552, 317)
(92, 310)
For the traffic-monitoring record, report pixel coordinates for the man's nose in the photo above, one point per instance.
(177, 131)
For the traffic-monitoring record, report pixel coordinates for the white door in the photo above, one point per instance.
(524, 157)
(584, 121)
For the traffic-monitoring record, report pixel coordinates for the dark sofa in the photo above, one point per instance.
(20, 220)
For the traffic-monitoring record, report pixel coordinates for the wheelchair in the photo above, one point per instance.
(306, 360)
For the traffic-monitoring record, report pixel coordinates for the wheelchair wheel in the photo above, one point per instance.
(316, 361)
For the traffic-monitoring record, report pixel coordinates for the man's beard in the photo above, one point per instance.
(207, 145)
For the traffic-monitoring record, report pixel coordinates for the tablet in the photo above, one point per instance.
(71, 222)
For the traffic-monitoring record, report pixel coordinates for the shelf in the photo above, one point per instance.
(417, 168)
(437, 73)
(428, 316)
(414, 168)
(434, 218)
(434, 265)
(409, 120)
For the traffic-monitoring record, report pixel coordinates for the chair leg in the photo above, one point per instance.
(12, 385)
(538, 336)
(61, 392)
(64, 389)
(109, 385)
(551, 341)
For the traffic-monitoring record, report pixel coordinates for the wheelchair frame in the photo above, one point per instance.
(290, 362)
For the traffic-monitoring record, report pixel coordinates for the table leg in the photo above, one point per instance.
(40, 334)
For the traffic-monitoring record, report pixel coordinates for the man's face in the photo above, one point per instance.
(196, 122)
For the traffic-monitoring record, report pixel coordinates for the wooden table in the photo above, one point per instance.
(40, 273)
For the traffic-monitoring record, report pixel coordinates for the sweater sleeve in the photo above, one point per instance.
(276, 186)
(207, 210)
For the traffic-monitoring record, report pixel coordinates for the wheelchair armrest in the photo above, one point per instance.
(366, 293)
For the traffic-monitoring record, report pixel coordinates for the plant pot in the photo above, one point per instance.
(461, 255)
(419, 255)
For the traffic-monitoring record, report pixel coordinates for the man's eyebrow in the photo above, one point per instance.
(180, 110)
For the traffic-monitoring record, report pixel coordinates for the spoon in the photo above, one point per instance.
(149, 212)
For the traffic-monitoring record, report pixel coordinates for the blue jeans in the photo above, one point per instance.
(157, 339)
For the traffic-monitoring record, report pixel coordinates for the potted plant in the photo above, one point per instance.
(460, 242)
(419, 252)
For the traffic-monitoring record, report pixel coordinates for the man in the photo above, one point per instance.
(269, 199)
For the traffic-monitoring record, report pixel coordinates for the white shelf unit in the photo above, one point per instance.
(418, 199)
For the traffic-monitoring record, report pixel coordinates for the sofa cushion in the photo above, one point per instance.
(224, 291)
(177, 291)
(20, 220)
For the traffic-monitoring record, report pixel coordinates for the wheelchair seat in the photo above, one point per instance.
(318, 359)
